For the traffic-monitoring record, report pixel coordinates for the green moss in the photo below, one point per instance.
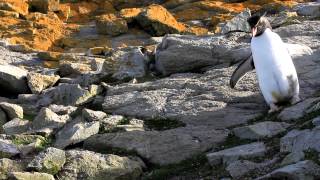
(194, 168)
(46, 142)
(161, 124)
(124, 121)
(50, 167)
(29, 117)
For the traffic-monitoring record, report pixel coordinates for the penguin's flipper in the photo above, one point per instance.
(244, 67)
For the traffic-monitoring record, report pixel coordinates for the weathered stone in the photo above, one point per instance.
(127, 62)
(3, 119)
(4, 13)
(301, 170)
(45, 6)
(129, 14)
(308, 9)
(47, 121)
(112, 25)
(8, 149)
(38, 82)
(297, 111)
(284, 18)
(296, 140)
(76, 131)
(158, 21)
(67, 68)
(260, 130)
(63, 110)
(90, 115)
(27, 98)
(16, 126)
(238, 23)
(12, 110)
(316, 121)
(49, 161)
(182, 53)
(68, 94)
(228, 156)
(20, 7)
(165, 147)
(90, 165)
(7, 166)
(29, 175)
(13, 80)
(292, 158)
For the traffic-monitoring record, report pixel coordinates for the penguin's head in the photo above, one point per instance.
(258, 24)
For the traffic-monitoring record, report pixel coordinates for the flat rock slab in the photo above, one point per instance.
(297, 140)
(301, 170)
(91, 165)
(260, 130)
(75, 132)
(161, 147)
(29, 175)
(230, 155)
(16, 126)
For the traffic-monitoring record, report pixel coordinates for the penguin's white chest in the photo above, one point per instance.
(275, 70)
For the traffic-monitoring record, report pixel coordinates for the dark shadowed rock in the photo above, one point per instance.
(12, 110)
(13, 80)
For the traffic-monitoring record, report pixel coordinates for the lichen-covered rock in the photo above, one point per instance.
(13, 80)
(89, 165)
(158, 21)
(44, 6)
(47, 121)
(21, 7)
(90, 115)
(49, 161)
(75, 132)
(8, 149)
(260, 130)
(230, 155)
(38, 82)
(112, 25)
(7, 166)
(31, 176)
(12, 110)
(63, 110)
(161, 147)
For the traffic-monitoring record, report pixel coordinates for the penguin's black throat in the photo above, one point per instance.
(259, 24)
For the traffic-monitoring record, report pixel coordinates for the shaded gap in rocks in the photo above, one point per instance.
(161, 124)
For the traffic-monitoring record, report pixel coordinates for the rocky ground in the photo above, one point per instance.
(140, 90)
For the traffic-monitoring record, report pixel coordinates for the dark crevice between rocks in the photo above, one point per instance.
(161, 124)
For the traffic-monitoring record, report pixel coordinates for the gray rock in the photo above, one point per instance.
(63, 110)
(90, 115)
(292, 158)
(182, 53)
(110, 24)
(16, 126)
(38, 82)
(238, 23)
(284, 18)
(47, 121)
(8, 149)
(316, 121)
(307, 28)
(68, 94)
(239, 168)
(164, 147)
(49, 161)
(12, 110)
(76, 131)
(301, 170)
(296, 140)
(89, 165)
(308, 9)
(27, 98)
(13, 80)
(127, 62)
(3, 119)
(29, 175)
(7, 166)
(297, 111)
(230, 155)
(260, 130)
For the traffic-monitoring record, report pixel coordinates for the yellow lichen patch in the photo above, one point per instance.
(130, 13)
(196, 30)
(81, 12)
(220, 18)
(64, 12)
(19, 6)
(193, 13)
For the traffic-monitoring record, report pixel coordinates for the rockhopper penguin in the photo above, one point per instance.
(276, 73)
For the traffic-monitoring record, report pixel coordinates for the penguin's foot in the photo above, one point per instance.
(273, 108)
(295, 100)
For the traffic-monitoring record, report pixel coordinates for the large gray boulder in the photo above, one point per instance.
(13, 80)
(81, 165)
(308, 9)
(182, 53)
(238, 23)
(164, 147)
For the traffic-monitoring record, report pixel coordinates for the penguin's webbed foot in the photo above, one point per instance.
(273, 108)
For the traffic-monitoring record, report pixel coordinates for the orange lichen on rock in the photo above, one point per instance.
(19, 6)
(196, 31)
(130, 13)
(157, 19)
(81, 12)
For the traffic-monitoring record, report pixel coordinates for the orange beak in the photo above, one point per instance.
(253, 32)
